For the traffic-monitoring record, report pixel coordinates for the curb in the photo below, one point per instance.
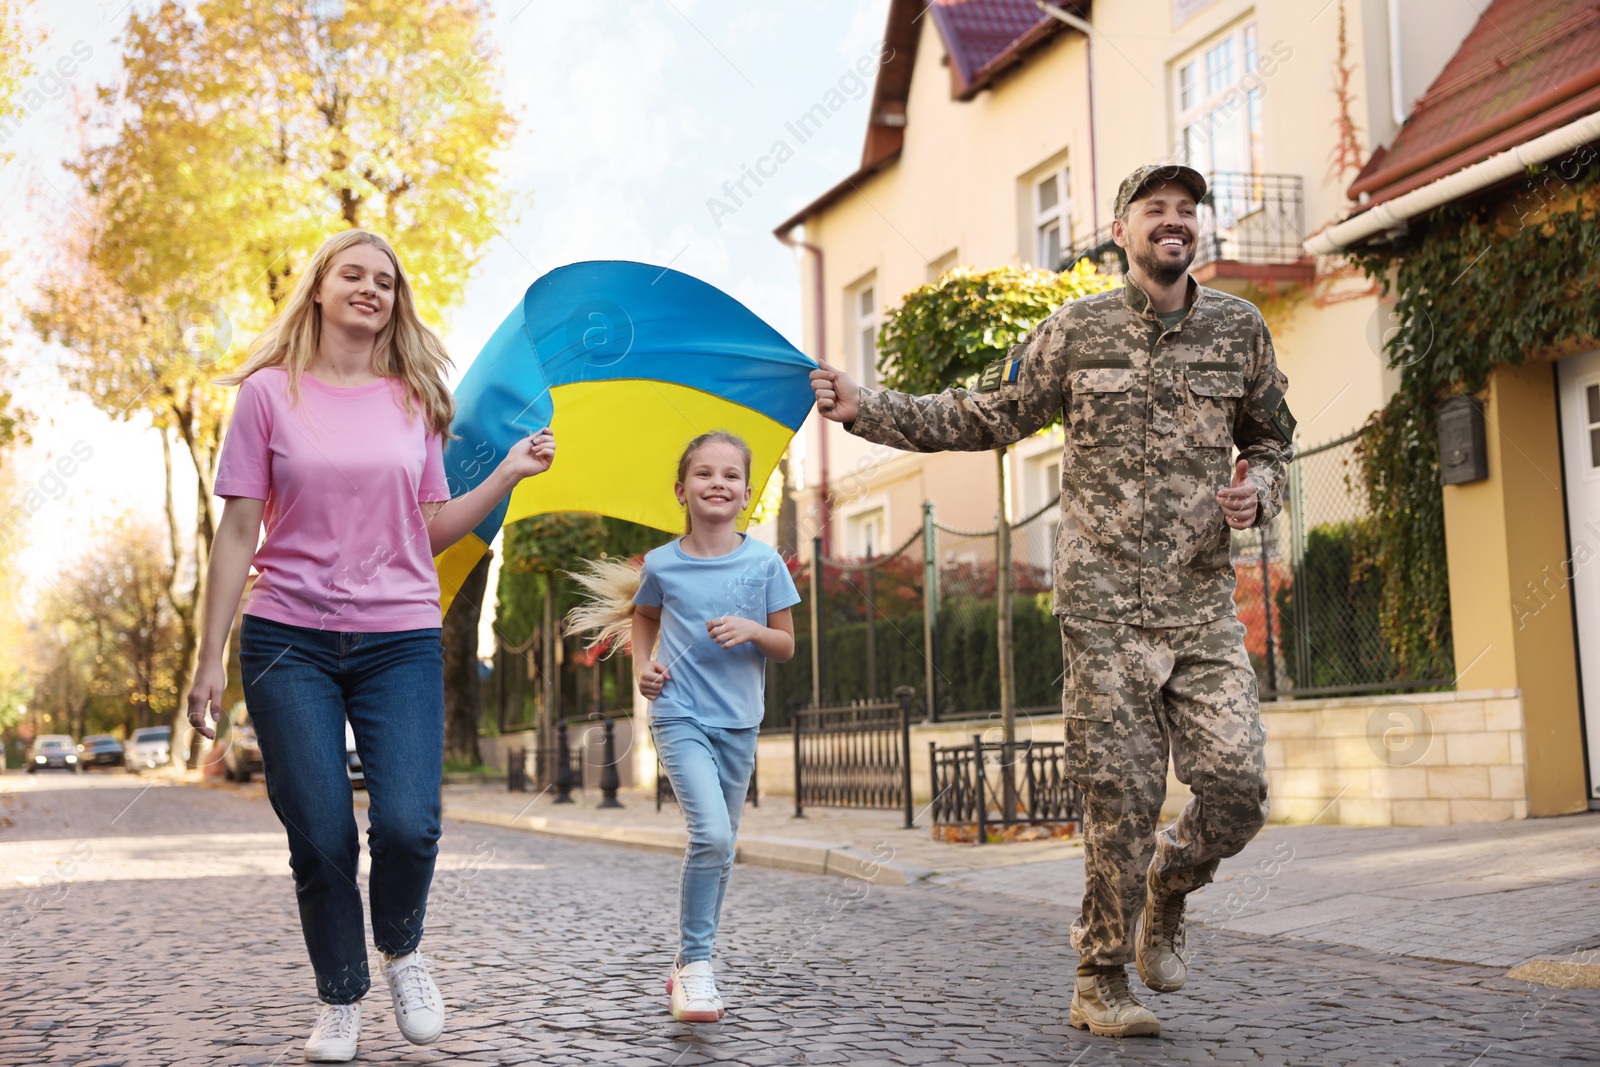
(810, 857)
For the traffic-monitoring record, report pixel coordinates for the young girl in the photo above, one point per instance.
(336, 442)
(718, 602)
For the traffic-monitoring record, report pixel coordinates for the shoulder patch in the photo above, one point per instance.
(1272, 411)
(1000, 372)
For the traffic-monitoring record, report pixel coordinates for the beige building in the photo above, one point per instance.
(982, 149)
(998, 134)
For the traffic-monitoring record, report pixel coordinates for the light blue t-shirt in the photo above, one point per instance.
(717, 686)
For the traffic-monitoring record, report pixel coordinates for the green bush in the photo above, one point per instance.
(968, 661)
(1343, 604)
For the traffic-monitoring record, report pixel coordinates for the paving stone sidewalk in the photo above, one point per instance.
(169, 937)
(1492, 894)
(843, 841)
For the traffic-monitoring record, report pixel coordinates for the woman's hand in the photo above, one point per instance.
(209, 681)
(652, 678)
(530, 456)
(730, 631)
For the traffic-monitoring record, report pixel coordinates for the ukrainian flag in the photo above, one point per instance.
(627, 363)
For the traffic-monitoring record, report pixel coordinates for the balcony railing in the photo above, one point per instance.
(1255, 219)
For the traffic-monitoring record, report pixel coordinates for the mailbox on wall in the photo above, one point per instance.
(1463, 447)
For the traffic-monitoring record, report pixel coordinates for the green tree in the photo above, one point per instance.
(244, 132)
(943, 334)
(537, 553)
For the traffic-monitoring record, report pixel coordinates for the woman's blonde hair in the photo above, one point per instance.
(405, 349)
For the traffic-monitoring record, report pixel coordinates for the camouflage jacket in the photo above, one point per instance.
(1152, 417)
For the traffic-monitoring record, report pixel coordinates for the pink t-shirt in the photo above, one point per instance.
(342, 473)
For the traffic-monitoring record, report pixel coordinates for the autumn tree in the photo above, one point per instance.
(15, 690)
(15, 40)
(243, 134)
(111, 606)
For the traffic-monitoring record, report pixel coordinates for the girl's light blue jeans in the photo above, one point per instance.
(710, 769)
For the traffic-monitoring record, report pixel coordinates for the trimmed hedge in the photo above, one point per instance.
(1344, 601)
(968, 662)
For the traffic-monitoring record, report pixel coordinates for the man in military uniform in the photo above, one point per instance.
(1158, 383)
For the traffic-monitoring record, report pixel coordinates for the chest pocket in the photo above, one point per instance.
(747, 597)
(1212, 395)
(1101, 404)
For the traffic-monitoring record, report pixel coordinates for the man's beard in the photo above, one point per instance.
(1158, 270)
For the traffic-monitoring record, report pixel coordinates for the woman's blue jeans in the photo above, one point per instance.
(710, 770)
(300, 686)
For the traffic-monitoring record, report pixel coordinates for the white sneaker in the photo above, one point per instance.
(418, 1008)
(694, 993)
(333, 1039)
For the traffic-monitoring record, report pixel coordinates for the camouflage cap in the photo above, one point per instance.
(1150, 174)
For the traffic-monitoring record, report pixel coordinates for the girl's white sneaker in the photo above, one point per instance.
(333, 1039)
(418, 1008)
(694, 994)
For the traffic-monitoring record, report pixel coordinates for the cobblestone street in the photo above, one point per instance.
(155, 924)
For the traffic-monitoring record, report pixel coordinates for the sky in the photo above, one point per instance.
(631, 116)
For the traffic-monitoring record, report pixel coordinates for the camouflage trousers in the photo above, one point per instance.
(1132, 695)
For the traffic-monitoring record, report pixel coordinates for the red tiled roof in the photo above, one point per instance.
(1527, 67)
(985, 38)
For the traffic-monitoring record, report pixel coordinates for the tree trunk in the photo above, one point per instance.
(552, 684)
(1002, 599)
(191, 610)
(463, 708)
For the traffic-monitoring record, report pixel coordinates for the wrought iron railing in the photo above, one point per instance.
(990, 784)
(1244, 218)
(855, 757)
(558, 768)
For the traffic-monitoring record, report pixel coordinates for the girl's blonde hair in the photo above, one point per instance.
(608, 586)
(605, 614)
(405, 348)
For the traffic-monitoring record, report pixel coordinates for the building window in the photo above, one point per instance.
(864, 334)
(1041, 484)
(1219, 130)
(869, 532)
(1052, 219)
(1591, 397)
(939, 267)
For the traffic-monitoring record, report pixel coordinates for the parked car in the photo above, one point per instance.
(53, 750)
(148, 748)
(99, 750)
(352, 759)
(242, 756)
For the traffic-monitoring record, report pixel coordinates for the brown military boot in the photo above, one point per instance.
(1102, 1004)
(1161, 947)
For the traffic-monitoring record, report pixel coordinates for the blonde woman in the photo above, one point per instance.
(336, 443)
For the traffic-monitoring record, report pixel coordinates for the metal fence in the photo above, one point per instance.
(855, 757)
(1309, 593)
(870, 614)
(1306, 590)
(967, 655)
(990, 784)
(537, 770)
(1244, 218)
